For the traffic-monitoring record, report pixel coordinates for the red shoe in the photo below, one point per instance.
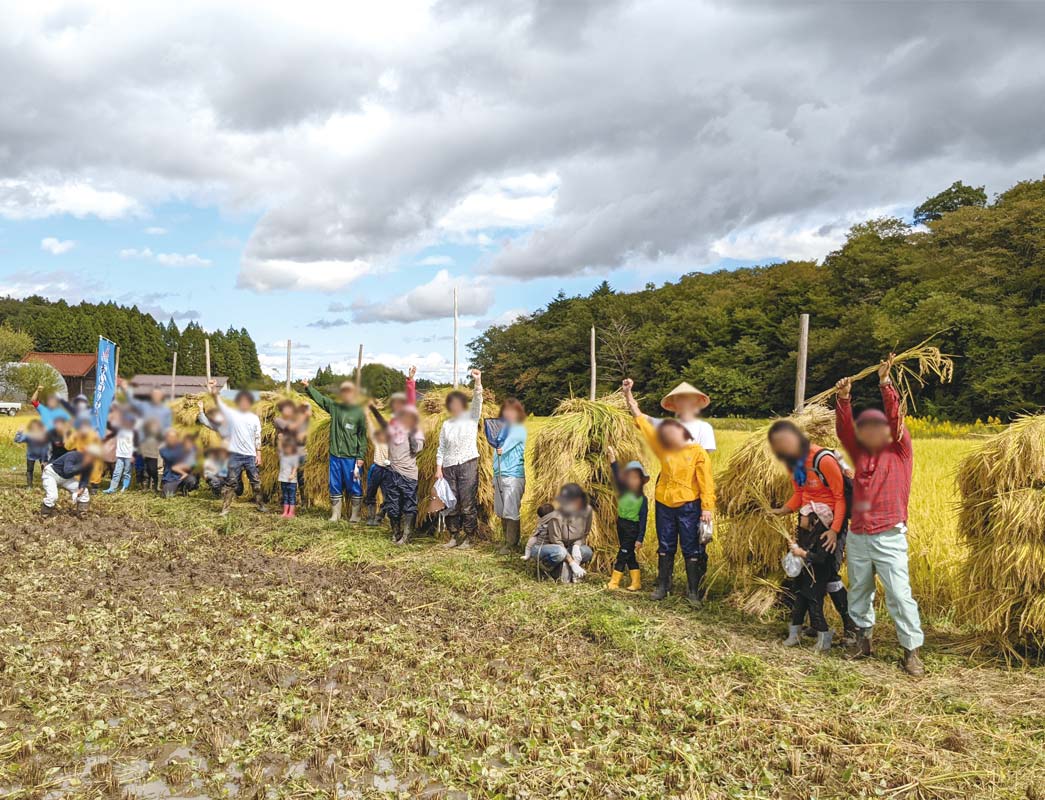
(286, 511)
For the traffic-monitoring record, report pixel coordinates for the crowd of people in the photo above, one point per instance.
(853, 515)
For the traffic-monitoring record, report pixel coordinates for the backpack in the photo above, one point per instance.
(847, 482)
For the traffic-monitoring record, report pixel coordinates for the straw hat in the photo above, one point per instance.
(668, 402)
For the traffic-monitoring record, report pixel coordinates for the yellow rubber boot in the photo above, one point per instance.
(615, 580)
(636, 580)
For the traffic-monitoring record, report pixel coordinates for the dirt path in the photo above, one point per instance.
(141, 660)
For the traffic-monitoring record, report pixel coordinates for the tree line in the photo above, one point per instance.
(378, 380)
(971, 271)
(146, 345)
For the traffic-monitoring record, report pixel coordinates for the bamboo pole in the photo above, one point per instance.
(288, 364)
(803, 355)
(359, 368)
(174, 371)
(591, 388)
(206, 354)
(455, 337)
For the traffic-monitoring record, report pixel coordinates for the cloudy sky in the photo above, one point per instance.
(329, 172)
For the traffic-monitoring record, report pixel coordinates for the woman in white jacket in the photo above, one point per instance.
(457, 461)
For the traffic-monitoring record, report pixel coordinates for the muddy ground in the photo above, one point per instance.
(147, 659)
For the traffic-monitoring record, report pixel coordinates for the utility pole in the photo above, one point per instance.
(803, 355)
(591, 389)
(359, 369)
(288, 365)
(174, 371)
(455, 337)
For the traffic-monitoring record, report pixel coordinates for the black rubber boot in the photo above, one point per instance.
(665, 566)
(408, 528)
(396, 524)
(371, 515)
(695, 569)
(511, 536)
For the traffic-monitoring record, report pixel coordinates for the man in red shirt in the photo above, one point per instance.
(880, 448)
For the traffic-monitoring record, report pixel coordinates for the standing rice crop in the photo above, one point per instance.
(1002, 521)
(570, 447)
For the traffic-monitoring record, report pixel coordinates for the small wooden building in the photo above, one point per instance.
(142, 385)
(77, 369)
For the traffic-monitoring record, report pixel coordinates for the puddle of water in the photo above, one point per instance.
(148, 791)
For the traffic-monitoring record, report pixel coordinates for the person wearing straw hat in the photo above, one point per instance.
(685, 498)
(879, 445)
(686, 402)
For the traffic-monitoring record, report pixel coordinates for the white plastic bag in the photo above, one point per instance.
(443, 491)
(706, 531)
(792, 565)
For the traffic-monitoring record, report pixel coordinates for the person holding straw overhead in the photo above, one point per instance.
(685, 497)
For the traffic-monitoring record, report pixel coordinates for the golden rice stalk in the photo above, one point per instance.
(570, 447)
(912, 369)
(1002, 522)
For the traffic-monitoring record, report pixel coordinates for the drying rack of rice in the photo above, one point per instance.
(1002, 520)
(185, 410)
(433, 412)
(570, 447)
(754, 482)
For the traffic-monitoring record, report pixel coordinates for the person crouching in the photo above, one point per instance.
(72, 472)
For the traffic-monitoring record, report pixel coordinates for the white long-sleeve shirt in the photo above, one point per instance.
(244, 431)
(457, 437)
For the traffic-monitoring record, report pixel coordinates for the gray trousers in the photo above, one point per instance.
(464, 483)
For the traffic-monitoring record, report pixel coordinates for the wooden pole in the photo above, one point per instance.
(803, 355)
(116, 369)
(288, 365)
(206, 354)
(591, 389)
(174, 371)
(455, 337)
(359, 368)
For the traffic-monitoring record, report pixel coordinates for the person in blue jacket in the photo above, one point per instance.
(37, 448)
(509, 473)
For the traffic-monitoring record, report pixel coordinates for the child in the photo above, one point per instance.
(57, 436)
(149, 442)
(540, 535)
(685, 497)
(399, 482)
(178, 456)
(289, 461)
(216, 469)
(567, 533)
(810, 585)
(124, 454)
(375, 475)
(632, 512)
(37, 448)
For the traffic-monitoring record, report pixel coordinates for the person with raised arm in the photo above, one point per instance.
(879, 446)
(457, 460)
(242, 429)
(348, 445)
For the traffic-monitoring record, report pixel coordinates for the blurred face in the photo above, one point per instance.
(633, 480)
(347, 393)
(172, 437)
(60, 425)
(380, 436)
(456, 406)
(687, 406)
(672, 436)
(407, 420)
(396, 405)
(243, 403)
(52, 402)
(512, 415)
(874, 436)
(290, 447)
(157, 396)
(286, 411)
(571, 506)
(786, 445)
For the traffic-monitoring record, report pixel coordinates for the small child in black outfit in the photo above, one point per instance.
(810, 585)
(632, 513)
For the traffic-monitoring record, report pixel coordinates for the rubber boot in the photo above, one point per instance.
(465, 543)
(451, 542)
(636, 580)
(81, 509)
(511, 537)
(861, 648)
(840, 600)
(371, 515)
(665, 566)
(335, 509)
(228, 494)
(46, 511)
(408, 528)
(292, 511)
(794, 636)
(396, 524)
(823, 642)
(259, 502)
(615, 579)
(286, 511)
(381, 514)
(695, 569)
(357, 506)
(912, 662)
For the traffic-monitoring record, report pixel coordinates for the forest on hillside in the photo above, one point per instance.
(974, 275)
(146, 345)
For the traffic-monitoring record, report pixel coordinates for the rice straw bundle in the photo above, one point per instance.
(185, 411)
(1002, 521)
(433, 412)
(570, 447)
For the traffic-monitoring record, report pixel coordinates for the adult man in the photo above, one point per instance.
(71, 472)
(155, 408)
(879, 446)
(50, 410)
(244, 445)
(348, 440)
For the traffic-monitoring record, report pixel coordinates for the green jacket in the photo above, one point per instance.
(348, 434)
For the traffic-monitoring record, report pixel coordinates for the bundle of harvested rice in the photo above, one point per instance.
(1002, 521)
(185, 411)
(433, 413)
(570, 447)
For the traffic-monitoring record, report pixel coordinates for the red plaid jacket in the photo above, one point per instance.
(882, 486)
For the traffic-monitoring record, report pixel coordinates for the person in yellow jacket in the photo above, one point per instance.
(685, 498)
(80, 438)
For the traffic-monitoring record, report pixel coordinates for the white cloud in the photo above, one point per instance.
(166, 259)
(35, 198)
(57, 246)
(519, 201)
(263, 275)
(54, 285)
(156, 231)
(432, 300)
(435, 261)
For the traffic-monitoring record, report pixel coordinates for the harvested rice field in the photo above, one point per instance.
(148, 651)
